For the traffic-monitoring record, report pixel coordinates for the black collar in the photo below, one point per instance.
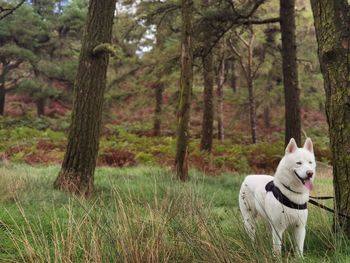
(290, 189)
(270, 187)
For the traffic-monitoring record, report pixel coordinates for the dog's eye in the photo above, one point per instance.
(310, 162)
(299, 163)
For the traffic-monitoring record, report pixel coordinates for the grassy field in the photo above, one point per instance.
(142, 214)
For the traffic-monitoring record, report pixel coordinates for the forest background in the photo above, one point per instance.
(39, 52)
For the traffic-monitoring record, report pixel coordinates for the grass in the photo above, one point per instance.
(143, 214)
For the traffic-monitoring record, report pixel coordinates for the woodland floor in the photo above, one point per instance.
(142, 214)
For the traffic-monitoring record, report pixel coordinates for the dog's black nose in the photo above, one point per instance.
(309, 173)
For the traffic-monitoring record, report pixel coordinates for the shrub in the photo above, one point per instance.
(264, 157)
(116, 158)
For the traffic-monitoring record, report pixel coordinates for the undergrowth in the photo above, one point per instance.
(125, 145)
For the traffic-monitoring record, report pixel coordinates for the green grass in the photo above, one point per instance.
(142, 214)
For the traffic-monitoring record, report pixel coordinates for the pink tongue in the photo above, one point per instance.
(308, 184)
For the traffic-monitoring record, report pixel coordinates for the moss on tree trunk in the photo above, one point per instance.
(332, 31)
(78, 167)
(183, 114)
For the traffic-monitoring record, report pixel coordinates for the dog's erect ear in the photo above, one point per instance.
(292, 146)
(308, 145)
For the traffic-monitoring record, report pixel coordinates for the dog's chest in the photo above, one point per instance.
(279, 214)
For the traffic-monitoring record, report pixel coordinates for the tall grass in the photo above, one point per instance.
(144, 215)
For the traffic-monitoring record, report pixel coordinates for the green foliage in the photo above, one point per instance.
(19, 137)
(10, 51)
(265, 156)
(72, 19)
(145, 158)
(262, 157)
(321, 145)
(68, 70)
(36, 89)
(38, 49)
(28, 36)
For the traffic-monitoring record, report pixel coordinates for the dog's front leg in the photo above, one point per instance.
(277, 240)
(299, 237)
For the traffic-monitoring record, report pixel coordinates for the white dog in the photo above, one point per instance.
(281, 199)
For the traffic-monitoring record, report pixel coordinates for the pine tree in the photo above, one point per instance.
(78, 167)
(183, 118)
(332, 31)
(208, 78)
(15, 53)
(290, 72)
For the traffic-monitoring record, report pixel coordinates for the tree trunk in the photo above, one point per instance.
(40, 106)
(220, 97)
(158, 85)
(79, 162)
(270, 84)
(233, 76)
(158, 90)
(2, 97)
(183, 118)
(2, 87)
(208, 76)
(290, 71)
(267, 119)
(332, 31)
(208, 110)
(251, 95)
(252, 110)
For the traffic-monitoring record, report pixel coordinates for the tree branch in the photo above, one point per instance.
(257, 21)
(234, 18)
(9, 11)
(257, 69)
(240, 58)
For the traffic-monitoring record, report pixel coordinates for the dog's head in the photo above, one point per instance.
(297, 169)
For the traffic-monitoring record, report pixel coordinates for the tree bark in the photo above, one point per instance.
(251, 95)
(267, 119)
(290, 71)
(40, 106)
(268, 89)
(233, 75)
(186, 80)
(252, 110)
(2, 95)
(158, 90)
(158, 86)
(78, 167)
(208, 76)
(271, 83)
(2, 86)
(208, 110)
(332, 30)
(220, 99)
